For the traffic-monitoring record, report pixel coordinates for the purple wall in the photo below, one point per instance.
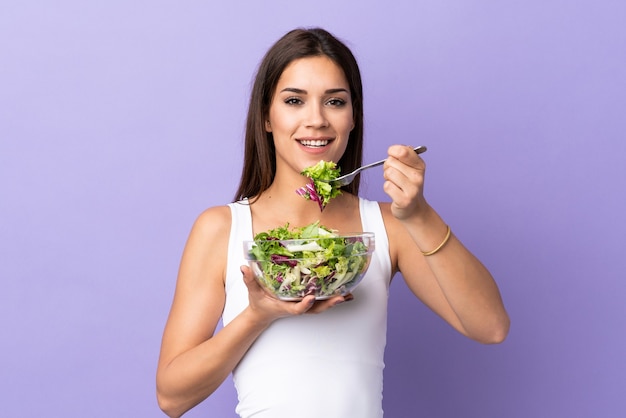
(120, 122)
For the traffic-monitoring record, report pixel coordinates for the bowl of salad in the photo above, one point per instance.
(312, 260)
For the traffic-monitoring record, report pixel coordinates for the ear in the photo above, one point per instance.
(268, 126)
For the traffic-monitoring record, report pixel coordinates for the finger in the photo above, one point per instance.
(398, 151)
(406, 180)
(404, 154)
(323, 305)
(248, 277)
(303, 306)
(412, 169)
(254, 288)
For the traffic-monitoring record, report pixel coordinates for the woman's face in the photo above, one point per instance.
(310, 115)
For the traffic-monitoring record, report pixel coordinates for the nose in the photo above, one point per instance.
(316, 117)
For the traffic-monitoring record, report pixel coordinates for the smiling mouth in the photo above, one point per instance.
(316, 143)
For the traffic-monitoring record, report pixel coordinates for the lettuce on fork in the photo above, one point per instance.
(317, 189)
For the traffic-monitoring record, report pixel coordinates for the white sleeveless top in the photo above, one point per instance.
(326, 365)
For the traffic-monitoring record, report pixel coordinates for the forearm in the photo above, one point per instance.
(195, 374)
(466, 284)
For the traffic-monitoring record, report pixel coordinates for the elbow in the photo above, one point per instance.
(490, 331)
(497, 332)
(495, 338)
(168, 406)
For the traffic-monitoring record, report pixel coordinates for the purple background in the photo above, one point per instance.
(121, 121)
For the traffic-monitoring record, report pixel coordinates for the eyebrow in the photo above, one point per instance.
(301, 91)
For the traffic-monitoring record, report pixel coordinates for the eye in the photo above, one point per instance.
(336, 102)
(293, 101)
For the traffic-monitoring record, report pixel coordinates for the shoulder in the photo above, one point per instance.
(216, 219)
(391, 223)
(210, 233)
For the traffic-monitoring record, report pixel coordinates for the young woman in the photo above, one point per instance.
(311, 358)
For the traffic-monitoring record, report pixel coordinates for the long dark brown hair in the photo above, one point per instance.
(259, 166)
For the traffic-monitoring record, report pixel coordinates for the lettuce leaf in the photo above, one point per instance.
(318, 190)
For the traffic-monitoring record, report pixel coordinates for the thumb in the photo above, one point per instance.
(249, 279)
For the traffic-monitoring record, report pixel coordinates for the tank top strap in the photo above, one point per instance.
(372, 221)
(240, 230)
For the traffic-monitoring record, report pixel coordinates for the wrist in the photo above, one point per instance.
(441, 245)
(423, 216)
(429, 230)
(256, 319)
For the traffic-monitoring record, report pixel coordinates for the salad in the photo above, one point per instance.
(312, 260)
(317, 189)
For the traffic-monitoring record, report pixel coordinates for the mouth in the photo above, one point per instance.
(314, 143)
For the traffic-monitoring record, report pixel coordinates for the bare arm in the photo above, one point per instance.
(194, 362)
(452, 282)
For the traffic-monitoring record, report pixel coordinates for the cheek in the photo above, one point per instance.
(347, 123)
(281, 121)
(348, 119)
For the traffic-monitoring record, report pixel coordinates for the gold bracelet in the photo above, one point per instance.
(440, 246)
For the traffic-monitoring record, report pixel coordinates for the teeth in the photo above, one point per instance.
(316, 143)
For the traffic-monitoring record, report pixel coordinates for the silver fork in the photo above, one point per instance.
(347, 178)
